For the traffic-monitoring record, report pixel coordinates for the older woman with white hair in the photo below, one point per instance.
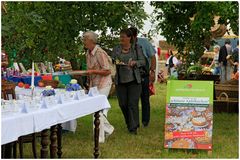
(215, 62)
(98, 69)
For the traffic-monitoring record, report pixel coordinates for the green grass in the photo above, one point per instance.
(149, 141)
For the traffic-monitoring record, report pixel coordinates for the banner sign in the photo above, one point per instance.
(189, 115)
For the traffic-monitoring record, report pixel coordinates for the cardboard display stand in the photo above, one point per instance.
(189, 115)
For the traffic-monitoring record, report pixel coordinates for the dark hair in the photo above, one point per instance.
(134, 31)
(227, 41)
(128, 32)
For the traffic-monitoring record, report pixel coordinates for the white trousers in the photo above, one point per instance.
(70, 125)
(105, 127)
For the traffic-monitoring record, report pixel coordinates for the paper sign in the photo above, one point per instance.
(79, 94)
(93, 92)
(24, 71)
(15, 65)
(29, 106)
(49, 101)
(43, 68)
(65, 97)
(24, 109)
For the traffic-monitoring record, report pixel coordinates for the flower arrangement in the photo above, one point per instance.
(49, 91)
(73, 86)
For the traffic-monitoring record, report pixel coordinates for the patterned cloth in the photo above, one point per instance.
(98, 60)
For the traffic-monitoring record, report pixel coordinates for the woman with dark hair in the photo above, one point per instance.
(128, 59)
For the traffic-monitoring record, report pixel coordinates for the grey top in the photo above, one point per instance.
(125, 72)
(124, 75)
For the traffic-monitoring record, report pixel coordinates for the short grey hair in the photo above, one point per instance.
(217, 46)
(91, 35)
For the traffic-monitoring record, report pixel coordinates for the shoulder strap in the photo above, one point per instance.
(171, 59)
(170, 63)
(136, 49)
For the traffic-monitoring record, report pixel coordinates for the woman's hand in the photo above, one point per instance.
(152, 76)
(98, 72)
(132, 63)
(236, 63)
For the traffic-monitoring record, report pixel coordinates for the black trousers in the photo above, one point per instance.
(145, 101)
(128, 97)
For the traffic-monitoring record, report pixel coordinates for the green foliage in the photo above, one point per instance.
(197, 69)
(173, 78)
(193, 35)
(42, 31)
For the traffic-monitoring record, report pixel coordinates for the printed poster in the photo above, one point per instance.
(189, 115)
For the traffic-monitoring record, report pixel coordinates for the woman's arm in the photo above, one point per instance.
(99, 72)
(211, 63)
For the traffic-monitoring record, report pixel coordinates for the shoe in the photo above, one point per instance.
(134, 132)
(145, 125)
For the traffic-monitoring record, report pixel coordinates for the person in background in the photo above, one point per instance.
(128, 59)
(171, 63)
(149, 53)
(4, 61)
(235, 58)
(215, 63)
(4, 56)
(167, 55)
(224, 55)
(98, 69)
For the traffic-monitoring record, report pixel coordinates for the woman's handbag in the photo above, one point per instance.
(152, 90)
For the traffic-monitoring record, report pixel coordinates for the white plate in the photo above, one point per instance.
(201, 126)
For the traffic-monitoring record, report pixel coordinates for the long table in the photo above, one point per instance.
(16, 125)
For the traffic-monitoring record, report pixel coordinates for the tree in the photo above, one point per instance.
(42, 31)
(187, 25)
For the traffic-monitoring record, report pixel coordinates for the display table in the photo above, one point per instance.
(25, 79)
(65, 79)
(19, 124)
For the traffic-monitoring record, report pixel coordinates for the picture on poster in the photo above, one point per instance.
(189, 115)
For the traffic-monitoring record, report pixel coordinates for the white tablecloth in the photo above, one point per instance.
(14, 126)
(70, 125)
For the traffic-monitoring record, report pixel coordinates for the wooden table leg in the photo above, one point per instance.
(96, 134)
(34, 147)
(2, 151)
(59, 140)
(15, 149)
(8, 150)
(44, 143)
(53, 138)
(20, 144)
